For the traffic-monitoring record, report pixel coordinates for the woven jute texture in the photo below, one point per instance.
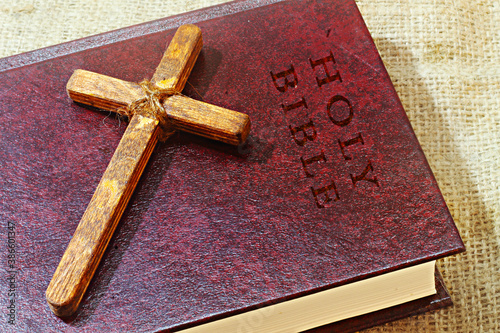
(444, 59)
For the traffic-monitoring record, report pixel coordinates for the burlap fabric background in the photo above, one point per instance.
(444, 59)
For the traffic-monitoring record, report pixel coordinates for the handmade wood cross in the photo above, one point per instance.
(99, 221)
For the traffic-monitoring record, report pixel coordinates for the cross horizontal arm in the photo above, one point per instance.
(102, 91)
(207, 120)
(189, 115)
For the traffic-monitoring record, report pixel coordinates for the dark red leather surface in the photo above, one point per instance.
(211, 229)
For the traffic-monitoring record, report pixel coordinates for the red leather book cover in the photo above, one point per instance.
(331, 187)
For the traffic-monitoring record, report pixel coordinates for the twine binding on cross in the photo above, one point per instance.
(152, 107)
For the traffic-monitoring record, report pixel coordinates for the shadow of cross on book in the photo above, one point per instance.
(99, 221)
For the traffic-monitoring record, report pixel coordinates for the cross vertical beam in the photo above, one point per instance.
(98, 223)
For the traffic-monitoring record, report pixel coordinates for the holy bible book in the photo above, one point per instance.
(327, 219)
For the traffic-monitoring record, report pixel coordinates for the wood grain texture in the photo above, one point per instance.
(186, 114)
(84, 252)
(102, 91)
(207, 120)
(179, 58)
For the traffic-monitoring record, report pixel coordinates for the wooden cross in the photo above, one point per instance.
(99, 221)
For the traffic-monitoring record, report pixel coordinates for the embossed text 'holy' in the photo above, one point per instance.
(340, 111)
